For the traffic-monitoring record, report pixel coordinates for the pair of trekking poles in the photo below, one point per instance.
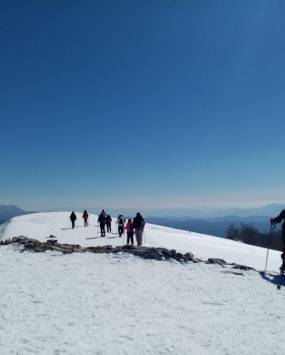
(272, 227)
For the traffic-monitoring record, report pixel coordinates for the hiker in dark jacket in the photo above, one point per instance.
(73, 218)
(139, 224)
(102, 222)
(85, 218)
(109, 223)
(279, 219)
(121, 222)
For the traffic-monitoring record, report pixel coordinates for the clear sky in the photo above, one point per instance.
(142, 103)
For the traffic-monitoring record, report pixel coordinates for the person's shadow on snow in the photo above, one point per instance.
(67, 229)
(274, 279)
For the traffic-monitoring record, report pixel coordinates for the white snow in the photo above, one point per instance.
(41, 225)
(120, 304)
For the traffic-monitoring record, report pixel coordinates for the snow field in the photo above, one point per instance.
(41, 225)
(119, 304)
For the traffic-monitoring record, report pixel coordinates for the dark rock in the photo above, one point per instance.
(243, 267)
(179, 256)
(148, 254)
(188, 256)
(99, 249)
(196, 260)
(52, 241)
(172, 253)
(217, 261)
(128, 247)
(118, 250)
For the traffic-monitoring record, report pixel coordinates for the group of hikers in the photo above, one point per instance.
(136, 227)
(133, 227)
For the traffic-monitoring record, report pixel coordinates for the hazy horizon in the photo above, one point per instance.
(194, 212)
(200, 201)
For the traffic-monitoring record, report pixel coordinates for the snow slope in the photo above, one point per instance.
(120, 304)
(41, 225)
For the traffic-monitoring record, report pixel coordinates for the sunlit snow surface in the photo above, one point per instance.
(119, 304)
(41, 225)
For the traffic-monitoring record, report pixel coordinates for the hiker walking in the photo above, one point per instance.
(130, 231)
(121, 222)
(102, 222)
(109, 223)
(279, 219)
(85, 218)
(73, 218)
(139, 224)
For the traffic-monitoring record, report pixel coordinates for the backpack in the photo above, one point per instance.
(121, 220)
(139, 222)
(102, 218)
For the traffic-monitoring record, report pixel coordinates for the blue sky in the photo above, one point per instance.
(142, 103)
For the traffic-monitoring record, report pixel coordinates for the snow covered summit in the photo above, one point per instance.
(87, 304)
(41, 225)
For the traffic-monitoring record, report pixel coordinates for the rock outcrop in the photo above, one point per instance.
(28, 244)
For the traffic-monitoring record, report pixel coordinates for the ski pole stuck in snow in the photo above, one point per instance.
(272, 226)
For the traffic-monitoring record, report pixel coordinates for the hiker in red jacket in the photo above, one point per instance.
(130, 231)
(85, 218)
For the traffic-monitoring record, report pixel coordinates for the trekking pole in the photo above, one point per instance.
(272, 226)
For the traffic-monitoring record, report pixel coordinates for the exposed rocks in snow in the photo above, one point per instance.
(242, 267)
(152, 253)
(143, 252)
(223, 263)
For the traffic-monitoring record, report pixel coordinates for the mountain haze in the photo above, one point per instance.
(10, 211)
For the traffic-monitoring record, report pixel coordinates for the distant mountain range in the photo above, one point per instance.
(198, 213)
(206, 212)
(10, 211)
(214, 226)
